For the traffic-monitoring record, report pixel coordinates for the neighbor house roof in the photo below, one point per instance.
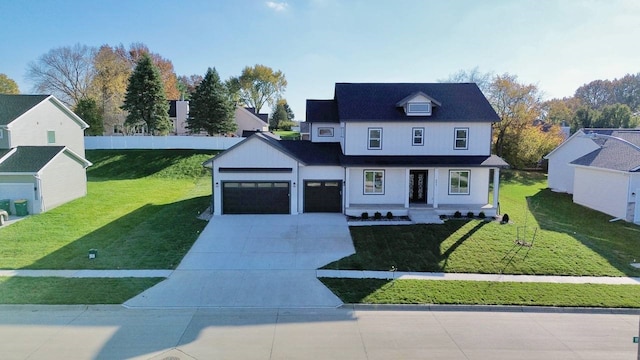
(12, 106)
(619, 150)
(380, 101)
(31, 159)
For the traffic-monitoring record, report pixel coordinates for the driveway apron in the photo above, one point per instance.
(266, 261)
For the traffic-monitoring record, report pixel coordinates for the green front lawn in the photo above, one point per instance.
(570, 239)
(140, 213)
(375, 291)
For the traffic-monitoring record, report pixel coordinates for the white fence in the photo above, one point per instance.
(160, 142)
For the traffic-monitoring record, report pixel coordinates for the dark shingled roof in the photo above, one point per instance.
(313, 153)
(434, 160)
(322, 111)
(29, 159)
(379, 101)
(619, 152)
(12, 106)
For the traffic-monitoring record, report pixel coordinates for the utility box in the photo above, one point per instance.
(21, 207)
(93, 253)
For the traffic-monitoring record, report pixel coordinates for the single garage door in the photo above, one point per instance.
(255, 197)
(323, 196)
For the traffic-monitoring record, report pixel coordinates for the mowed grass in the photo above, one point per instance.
(376, 291)
(570, 239)
(64, 291)
(140, 213)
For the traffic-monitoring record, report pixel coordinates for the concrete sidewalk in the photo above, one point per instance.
(87, 273)
(358, 274)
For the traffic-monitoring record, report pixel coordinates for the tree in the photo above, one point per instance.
(585, 117)
(615, 116)
(534, 143)
(259, 85)
(87, 110)
(169, 78)
(483, 80)
(110, 84)
(188, 84)
(210, 108)
(279, 115)
(560, 111)
(65, 72)
(517, 105)
(596, 94)
(8, 86)
(145, 99)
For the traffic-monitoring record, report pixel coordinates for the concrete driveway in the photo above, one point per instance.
(266, 261)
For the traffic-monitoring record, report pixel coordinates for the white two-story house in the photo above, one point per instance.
(373, 148)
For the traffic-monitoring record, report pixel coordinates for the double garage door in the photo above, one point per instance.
(274, 197)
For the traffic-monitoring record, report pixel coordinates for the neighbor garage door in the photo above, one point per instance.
(323, 196)
(255, 197)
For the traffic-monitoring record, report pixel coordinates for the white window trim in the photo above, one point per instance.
(451, 173)
(328, 130)
(455, 139)
(413, 136)
(49, 132)
(369, 138)
(373, 188)
(419, 113)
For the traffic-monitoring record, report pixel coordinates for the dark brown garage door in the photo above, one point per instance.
(323, 196)
(255, 197)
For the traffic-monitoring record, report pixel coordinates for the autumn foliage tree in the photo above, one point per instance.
(259, 85)
(8, 86)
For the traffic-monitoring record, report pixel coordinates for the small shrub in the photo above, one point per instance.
(364, 215)
(457, 214)
(377, 215)
(443, 217)
(470, 214)
(389, 215)
(505, 219)
(482, 215)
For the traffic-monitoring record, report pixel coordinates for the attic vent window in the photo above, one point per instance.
(419, 109)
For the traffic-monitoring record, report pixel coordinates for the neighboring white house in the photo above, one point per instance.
(601, 168)
(373, 147)
(41, 152)
(248, 120)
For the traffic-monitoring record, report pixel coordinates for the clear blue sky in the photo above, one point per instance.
(557, 44)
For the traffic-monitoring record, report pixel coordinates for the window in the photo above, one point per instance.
(374, 182)
(459, 182)
(462, 139)
(418, 136)
(375, 139)
(325, 131)
(51, 137)
(419, 109)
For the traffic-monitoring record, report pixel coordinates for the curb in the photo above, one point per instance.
(492, 308)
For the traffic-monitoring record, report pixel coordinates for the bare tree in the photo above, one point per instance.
(483, 80)
(65, 72)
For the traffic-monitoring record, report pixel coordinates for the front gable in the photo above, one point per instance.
(418, 104)
(254, 153)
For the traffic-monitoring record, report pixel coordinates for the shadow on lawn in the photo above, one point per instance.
(151, 237)
(616, 242)
(407, 248)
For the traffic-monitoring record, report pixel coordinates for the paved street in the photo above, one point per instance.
(114, 332)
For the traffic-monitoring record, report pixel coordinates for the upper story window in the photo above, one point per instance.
(418, 136)
(461, 141)
(375, 139)
(51, 137)
(419, 109)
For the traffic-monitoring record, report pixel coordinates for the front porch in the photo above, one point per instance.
(420, 210)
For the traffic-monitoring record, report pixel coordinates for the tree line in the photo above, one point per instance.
(128, 88)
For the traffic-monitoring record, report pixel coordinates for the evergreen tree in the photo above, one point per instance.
(279, 115)
(145, 99)
(210, 107)
(87, 110)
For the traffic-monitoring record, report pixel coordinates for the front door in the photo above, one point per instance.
(418, 186)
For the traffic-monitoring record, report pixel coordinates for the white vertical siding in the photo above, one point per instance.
(602, 190)
(478, 187)
(63, 179)
(314, 132)
(561, 174)
(397, 138)
(32, 128)
(395, 187)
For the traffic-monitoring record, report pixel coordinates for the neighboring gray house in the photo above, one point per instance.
(41, 152)
(378, 147)
(601, 168)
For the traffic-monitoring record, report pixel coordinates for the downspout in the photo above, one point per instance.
(38, 192)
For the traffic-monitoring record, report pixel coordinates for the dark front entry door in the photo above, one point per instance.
(418, 186)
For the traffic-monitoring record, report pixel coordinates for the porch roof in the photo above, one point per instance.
(434, 160)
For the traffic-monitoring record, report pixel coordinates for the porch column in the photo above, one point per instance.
(496, 187)
(345, 184)
(406, 188)
(436, 176)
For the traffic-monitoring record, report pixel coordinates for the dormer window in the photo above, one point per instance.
(418, 104)
(419, 109)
